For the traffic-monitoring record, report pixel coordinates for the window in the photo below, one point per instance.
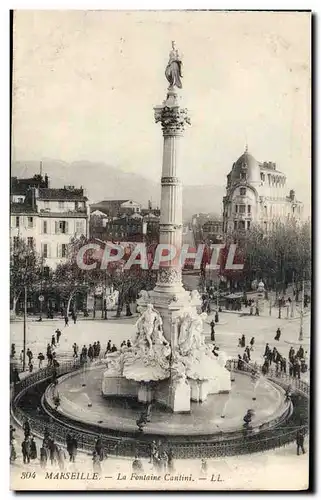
(235, 225)
(45, 250)
(242, 191)
(248, 224)
(20, 200)
(243, 176)
(46, 271)
(262, 177)
(30, 221)
(44, 227)
(265, 210)
(61, 204)
(46, 204)
(63, 250)
(249, 209)
(61, 227)
(242, 209)
(17, 221)
(236, 208)
(30, 242)
(242, 224)
(79, 229)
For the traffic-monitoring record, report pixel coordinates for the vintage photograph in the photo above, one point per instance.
(160, 250)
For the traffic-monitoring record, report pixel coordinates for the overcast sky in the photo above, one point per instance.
(85, 84)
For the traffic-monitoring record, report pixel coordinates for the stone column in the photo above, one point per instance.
(173, 120)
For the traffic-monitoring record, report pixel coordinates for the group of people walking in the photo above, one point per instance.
(162, 459)
(91, 353)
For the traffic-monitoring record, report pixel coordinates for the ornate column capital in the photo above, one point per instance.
(172, 118)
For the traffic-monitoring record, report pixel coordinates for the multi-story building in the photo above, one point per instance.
(256, 193)
(48, 218)
(207, 228)
(124, 221)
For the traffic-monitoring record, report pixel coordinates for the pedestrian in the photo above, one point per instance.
(69, 445)
(25, 448)
(66, 320)
(53, 341)
(240, 363)
(40, 358)
(52, 452)
(75, 318)
(247, 350)
(90, 353)
(12, 432)
(43, 457)
(74, 446)
(99, 449)
(278, 334)
(108, 348)
(212, 325)
(251, 310)
(26, 428)
(33, 449)
(15, 376)
(300, 353)
(291, 354)
(29, 355)
(252, 343)
(257, 311)
(283, 364)
(216, 317)
(95, 349)
(96, 463)
(75, 349)
(61, 456)
(243, 340)
(30, 366)
(114, 348)
(58, 335)
(153, 451)
(13, 454)
(170, 460)
(98, 348)
(300, 442)
(129, 344)
(203, 467)
(137, 465)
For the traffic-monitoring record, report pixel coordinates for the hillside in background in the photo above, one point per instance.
(102, 181)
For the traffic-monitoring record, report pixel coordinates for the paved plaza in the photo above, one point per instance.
(227, 332)
(266, 470)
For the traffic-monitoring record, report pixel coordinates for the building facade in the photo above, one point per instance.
(47, 219)
(116, 220)
(257, 193)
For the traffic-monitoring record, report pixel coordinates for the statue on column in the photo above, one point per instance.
(173, 70)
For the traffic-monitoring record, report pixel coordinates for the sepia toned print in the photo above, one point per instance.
(160, 250)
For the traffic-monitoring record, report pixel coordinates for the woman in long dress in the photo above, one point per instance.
(173, 70)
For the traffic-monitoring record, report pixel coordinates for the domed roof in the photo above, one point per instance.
(248, 166)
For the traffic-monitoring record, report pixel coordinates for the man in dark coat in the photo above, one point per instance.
(58, 335)
(90, 352)
(243, 340)
(300, 442)
(25, 448)
(26, 428)
(53, 341)
(99, 449)
(212, 325)
(74, 446)
(278, 334)
(33, 449)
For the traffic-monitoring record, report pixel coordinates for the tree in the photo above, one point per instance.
(69, 279)
(277, 257)
(25, 270)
